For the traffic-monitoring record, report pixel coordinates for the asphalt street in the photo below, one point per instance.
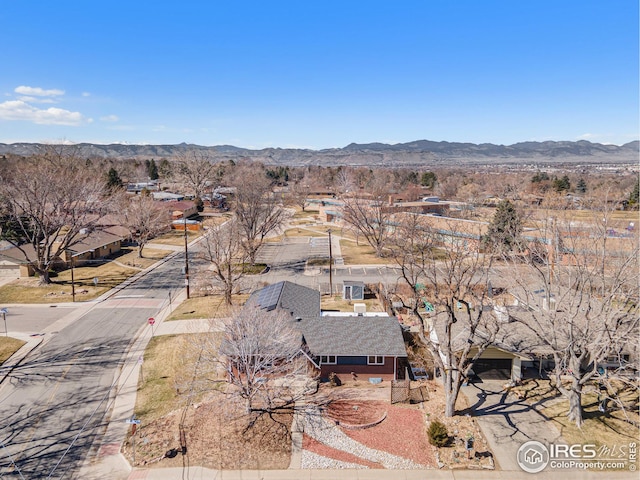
(53, 404)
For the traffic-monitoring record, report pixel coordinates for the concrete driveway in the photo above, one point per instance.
(507, 422)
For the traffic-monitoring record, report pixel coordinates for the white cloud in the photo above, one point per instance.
(36, 100)
(86, 94)
(38, 92)
(110, 118)
(20, 110)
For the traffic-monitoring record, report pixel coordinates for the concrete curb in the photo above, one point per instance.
(18, 357)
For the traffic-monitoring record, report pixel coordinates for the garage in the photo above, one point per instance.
(493, 368)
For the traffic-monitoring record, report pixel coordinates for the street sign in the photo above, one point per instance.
(151, 321)
(4, 310)
(134, 421)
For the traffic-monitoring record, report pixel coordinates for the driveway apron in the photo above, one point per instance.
(507, 422)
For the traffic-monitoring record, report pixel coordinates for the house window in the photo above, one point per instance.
(375, 360)
(328, 360)
(616, 358)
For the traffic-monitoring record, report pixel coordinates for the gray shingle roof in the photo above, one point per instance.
(347, 336)
(351, 335)
(298, 300)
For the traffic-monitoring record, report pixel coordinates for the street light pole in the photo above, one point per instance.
(186, 255)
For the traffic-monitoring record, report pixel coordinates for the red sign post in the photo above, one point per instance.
(152, 322)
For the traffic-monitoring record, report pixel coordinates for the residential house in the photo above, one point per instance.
(354, 345)
(360, 344)
(89, 245)
(16, 263)
(502, 360)
(92, 245)
(181, 209)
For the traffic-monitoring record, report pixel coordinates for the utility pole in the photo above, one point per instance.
(330, 266)
(186, 255)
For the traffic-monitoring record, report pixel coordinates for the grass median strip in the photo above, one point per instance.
(9, 346)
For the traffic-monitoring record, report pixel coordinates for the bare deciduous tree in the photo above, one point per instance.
(145, 218)
(259, 355)
(50, 199)
(448, 294)
(257, 211)
(370, 218)
(579, 289)
(222, 250)
(196, 171)
(299, 193)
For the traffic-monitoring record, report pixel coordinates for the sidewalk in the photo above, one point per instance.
(198, 473)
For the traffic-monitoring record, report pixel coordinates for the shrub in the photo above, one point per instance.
(438, 434)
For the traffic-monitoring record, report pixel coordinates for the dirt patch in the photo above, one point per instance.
(356, 413)
(460, 427)
(218, 435)
(358, 390)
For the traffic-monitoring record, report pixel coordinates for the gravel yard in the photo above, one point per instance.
(397, 442)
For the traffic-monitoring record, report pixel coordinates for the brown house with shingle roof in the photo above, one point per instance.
(88, 246)
(365, 345)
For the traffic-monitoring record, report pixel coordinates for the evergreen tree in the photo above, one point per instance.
(635, 194)
(581, 187)
(113, 179)
(152, 170)
(540, 177)
(428, 179)
(505, 229)
(561, 184)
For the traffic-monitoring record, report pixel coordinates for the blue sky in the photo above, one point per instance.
(318, 74)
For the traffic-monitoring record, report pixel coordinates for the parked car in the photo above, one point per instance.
(419, 373)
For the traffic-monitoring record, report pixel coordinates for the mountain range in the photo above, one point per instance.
(416, 153)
